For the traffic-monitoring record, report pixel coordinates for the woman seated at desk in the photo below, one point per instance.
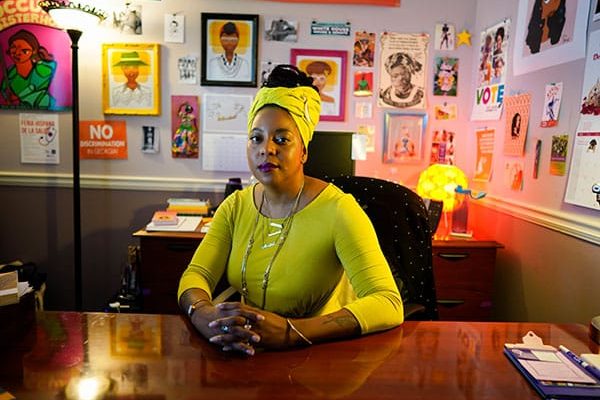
(302, 254)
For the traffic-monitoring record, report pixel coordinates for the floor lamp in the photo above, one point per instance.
(74, 17)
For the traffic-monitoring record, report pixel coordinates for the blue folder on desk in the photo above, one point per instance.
(554, 389)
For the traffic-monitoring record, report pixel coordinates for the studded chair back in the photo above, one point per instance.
(401, 222)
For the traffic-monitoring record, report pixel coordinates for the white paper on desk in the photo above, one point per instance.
(563, 371)
(184, 224)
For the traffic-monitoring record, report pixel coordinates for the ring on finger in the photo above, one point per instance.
(225, 328)
(247, 325)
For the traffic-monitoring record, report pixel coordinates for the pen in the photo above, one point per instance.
(595, 372)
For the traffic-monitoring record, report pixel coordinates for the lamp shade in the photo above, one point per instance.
(76, 15)
(439, 181)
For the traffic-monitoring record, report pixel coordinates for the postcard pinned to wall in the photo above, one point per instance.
(549, 33)
(188, 70)
(445, 111)
(227, 113)
(442, 147)
(174, 28)
(402, 80)
(185, 137)
(369, 132)
(39, 138)
(485, 154)
(281, 30)
(445, 35)
(558, 155)
(364, 49)
(363, 83)
(493, 57)
(513, 175)
(445, 76)
(517, 121)
(552, 97)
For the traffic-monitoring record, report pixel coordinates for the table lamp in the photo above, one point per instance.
(438, 182)
(74, 17)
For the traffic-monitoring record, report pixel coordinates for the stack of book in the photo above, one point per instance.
(188, 207)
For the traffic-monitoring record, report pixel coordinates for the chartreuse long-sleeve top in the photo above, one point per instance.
(330, 260)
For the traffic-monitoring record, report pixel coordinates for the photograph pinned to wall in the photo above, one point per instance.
(281, 30)
(364, 49)
(185, 137)
(130, 79)
(445, 76)
(150, 139)
(128, 20)
(583, 185)
(103, 140)
(590, 92)
(517, 122)
(328, 70)
(442, 147)
(558, 155)
(363, 109)
(445, 111)
(491, 75)
(402, 80)
(485, 154)
(403, 137)
(552, 97)
(445, 35)
(513, 175)
(188, 70)
(549, 33)
(363, 83)
(24, 82)
(369, 132)
(229, 49)
(174, 28)
(226, 113)
(266, 67)
(39, 135)
(359, 147)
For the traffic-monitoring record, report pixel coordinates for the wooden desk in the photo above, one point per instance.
(165, 255)
(464, 278)
(162, 357)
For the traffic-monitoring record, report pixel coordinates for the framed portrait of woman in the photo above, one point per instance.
(403, 137)
(130, 79)
(229, 49)
(328, 70)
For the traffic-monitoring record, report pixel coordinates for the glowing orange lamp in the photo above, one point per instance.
(439, 182)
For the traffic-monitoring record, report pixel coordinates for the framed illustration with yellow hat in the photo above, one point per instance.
(130, 79)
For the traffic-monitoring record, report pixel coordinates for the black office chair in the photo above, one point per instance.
(401, 222)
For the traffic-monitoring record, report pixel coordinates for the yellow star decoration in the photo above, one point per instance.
(463, 37)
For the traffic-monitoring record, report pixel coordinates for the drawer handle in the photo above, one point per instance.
(453, 256)
(450, 303)
(181, 246)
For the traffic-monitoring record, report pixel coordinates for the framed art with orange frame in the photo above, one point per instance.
(328, 70)
(130, 79)
(229, 49)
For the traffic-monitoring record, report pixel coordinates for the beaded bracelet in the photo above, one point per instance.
(307, 340)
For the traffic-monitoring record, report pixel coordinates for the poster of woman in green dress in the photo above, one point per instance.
(34, 68)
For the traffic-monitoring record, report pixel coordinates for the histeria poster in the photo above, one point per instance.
(39, 138)
(35, 60)
(491, 72)
(402, 80)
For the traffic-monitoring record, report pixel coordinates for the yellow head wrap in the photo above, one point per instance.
(302, 102)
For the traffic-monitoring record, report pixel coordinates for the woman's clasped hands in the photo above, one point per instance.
(239, 327)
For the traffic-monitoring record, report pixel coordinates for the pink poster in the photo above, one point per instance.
(35, 68)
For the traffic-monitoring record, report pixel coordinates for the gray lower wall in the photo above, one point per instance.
(37, 226)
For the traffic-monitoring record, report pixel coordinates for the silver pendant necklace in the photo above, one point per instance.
(280, 241)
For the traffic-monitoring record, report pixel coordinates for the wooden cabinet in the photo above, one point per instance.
(464, 278)
(165, 255)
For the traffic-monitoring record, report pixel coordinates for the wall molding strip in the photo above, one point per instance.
(584, 228)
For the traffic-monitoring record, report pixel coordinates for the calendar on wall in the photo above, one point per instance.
(224, 153)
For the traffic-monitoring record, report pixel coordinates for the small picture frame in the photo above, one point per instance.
(229, 49)
(328, 69)
(130, 79)
(403, 137)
